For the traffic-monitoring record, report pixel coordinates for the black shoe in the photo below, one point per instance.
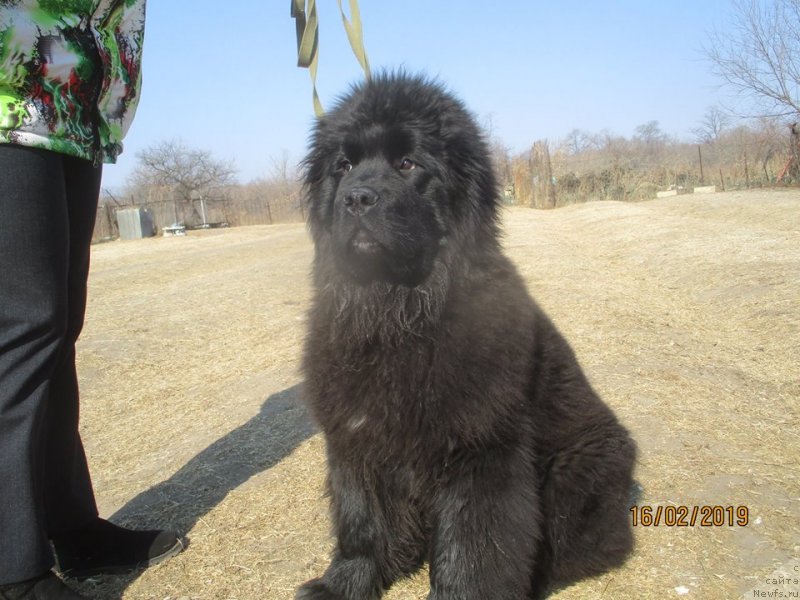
(102, 547)
(45, 587)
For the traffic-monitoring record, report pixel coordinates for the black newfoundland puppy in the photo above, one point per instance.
(459, 427)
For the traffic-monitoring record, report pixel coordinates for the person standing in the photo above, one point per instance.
(70, 75)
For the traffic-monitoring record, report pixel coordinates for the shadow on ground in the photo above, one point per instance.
(202, 483)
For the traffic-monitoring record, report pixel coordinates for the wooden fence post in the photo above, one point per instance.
(544, 190)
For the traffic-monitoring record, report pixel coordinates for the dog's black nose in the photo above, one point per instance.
(359, 200)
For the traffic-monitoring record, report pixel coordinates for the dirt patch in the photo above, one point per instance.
(684, 312)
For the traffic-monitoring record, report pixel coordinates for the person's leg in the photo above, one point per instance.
(34, 243)
(69, 498)
(47, 208)
(84, 544)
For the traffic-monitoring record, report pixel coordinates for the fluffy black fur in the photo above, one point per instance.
(459, 427)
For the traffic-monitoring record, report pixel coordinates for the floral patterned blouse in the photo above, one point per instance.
(70, 74)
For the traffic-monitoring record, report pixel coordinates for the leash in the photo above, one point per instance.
(307, 28)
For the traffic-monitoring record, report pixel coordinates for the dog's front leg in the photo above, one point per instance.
(355, 572)
(487, 529)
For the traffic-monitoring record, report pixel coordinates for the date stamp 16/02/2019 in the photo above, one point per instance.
(690, 516)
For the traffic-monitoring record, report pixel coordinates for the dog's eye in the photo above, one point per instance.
(344, 166)
(407, 164)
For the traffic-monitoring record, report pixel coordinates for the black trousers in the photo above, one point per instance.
(48, 203)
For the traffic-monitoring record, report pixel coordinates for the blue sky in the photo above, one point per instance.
(226, 80)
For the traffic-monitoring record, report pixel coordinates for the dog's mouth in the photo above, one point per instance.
(367, 259)
(363, 244)
(366, 255)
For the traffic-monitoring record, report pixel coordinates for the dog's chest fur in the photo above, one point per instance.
(375, 399)
(417, 395)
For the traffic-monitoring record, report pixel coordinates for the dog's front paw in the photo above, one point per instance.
(316, 590)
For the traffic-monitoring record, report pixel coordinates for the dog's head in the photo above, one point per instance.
(396, 171)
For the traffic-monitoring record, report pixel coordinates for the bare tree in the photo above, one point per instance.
(578, 141)
(501, 159)
(760, 54)
(713, 123)
(190, 174)
(281, 168)
(768, 142)
(650, 134)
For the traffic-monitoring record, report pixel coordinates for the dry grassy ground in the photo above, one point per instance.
(684, 312)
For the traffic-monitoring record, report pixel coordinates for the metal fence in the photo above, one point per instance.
(243, 207)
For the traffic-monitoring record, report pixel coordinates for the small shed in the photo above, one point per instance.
(135, 223)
